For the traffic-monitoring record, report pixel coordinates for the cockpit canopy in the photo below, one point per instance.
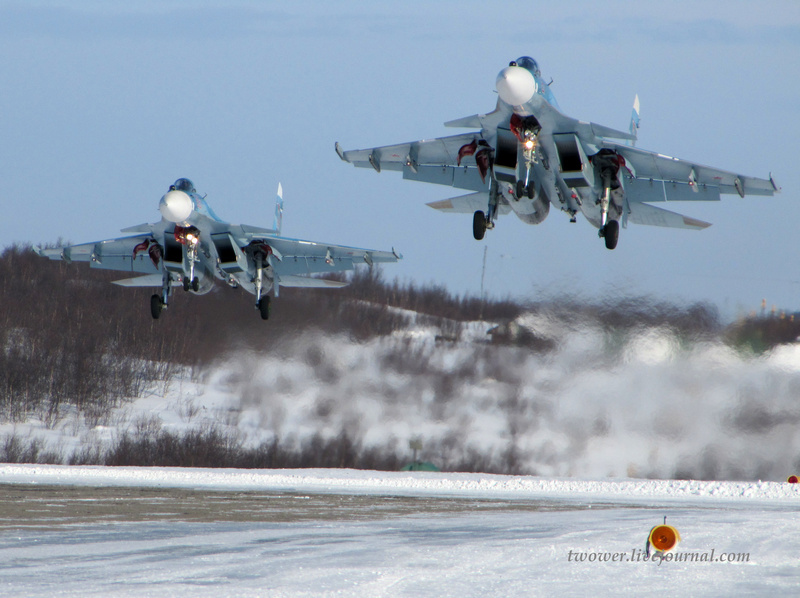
(530, 64)
(184, 185)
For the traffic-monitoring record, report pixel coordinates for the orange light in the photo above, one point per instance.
(664, 538)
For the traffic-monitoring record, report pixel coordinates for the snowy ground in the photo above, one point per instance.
(95, 531)
(643, 403)
(595, 410)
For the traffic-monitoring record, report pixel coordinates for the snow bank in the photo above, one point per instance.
(406, 483)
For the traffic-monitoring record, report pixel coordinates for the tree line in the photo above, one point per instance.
(70, 339)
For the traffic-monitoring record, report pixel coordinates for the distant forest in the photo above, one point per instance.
(71, 338)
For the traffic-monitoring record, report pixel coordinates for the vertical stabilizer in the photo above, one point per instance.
(276, 224)
(634, 128)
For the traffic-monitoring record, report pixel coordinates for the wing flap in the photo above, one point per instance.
(466, 204)
(641, 190)
(288, 280)
(299, 257)
(642, 213)
(148, 280)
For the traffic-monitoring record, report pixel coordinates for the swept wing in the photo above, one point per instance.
(191, 246)
(111, 254)
(657, 177)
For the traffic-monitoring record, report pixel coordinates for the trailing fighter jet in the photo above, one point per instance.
(191, 246)
(526, 156)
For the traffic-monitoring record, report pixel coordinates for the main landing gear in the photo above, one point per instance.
(478, 225)
(609, 229)
(260, 252)
(610, 233)
(156, 306)
(481, 221)
(158, 303)
(263, 306)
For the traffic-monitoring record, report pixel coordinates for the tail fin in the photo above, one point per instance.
(634, 128)
(276, 224)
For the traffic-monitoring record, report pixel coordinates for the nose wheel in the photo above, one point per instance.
(193, 284)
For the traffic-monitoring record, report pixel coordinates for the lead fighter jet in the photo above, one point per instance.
(526, 156)
(191, 246)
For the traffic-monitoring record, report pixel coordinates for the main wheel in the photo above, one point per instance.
(263, 307)
(611, 234)
(186, 283)
(155, 306)
(520, 189)
(530, 190)
(195, 284)
(478, 225)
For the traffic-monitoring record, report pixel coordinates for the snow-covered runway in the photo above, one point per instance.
(92, 531)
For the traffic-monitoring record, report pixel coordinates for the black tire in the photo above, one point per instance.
(263, 308)
(520, 189)
(530, 190)
(611, 234)
(196, 284)
(478, 225)
(156, 306)
(186, 283)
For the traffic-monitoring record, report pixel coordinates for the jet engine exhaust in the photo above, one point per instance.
(516, 85)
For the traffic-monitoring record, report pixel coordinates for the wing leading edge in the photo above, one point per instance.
(657, 177)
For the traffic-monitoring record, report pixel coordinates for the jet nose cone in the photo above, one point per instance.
(176, 206)
(516, 85)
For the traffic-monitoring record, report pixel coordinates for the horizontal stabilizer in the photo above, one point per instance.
(642, 213)
(309, 283)
(468, 122)
(258, 230)
(148, 280)
(609, 133)
(467, 204)
(139, 228)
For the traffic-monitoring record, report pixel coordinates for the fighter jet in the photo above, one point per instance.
(191, 246)
(527, 156)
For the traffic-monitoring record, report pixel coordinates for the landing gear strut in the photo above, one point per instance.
(158, 303)
(608, 163)
(481, 221)
(526, 130)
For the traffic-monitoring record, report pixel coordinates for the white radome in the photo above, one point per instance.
(176, 206)
(516, 85)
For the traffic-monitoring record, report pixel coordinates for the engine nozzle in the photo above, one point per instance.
(176, 206)
(516, 85)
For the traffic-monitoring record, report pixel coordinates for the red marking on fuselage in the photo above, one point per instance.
(141, 247)
(467, 149)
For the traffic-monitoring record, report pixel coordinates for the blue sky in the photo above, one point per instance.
(103, 106)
